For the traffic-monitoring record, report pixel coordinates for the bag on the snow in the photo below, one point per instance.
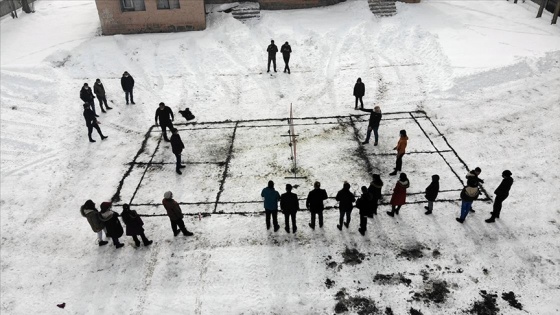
(187, 114)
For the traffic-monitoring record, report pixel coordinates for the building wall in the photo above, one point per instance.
(190, 16)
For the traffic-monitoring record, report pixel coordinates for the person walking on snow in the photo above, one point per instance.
(112, 223)
(431, 193)
(177, 147)
(271, 197)
(346, 202)
(474, 176)
(134, 226)
(399, 195)
(91, 122)
(374, 120)
(175, 214)
(364, 203)
(401, 150)
(315, 205)
(272, 50)
(165, 115)
(92, 215)
(469, 194)
(375, 190)
(359, 92)
(87, 96)
(127, 84)
(99, 91)
(502, 192)
(286, 50)
(289, 204)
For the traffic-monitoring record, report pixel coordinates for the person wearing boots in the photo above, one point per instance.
(364, 204)
(127, 84)
(99, 91)
(374, 120)
(87, 96)
(165, 115)
(431, 193)
(469, 194)
(315, 205)
(346, 200)
(92, 215)
(112, 223)
(91, 122)
(272, 49)
(271, 197)
(359, 92)
(401, 150)
(375, 190)
(177, 147)
(175, 214)
(502, 192)
(286, 50)
(473, 174)
(399, 195)
(289, 204)
(134, 226)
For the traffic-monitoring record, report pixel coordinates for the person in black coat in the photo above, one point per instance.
(315, 205)
(177, 147)
(359, 92)
(127, 84)
(289, 204)
(375, 190)
(91, 122)
(502, 192)
(272, 50)
(134, 225)
(112, 223)
(345, 198)
(165, 115)
(87, 96)
(374, 120)
(431, 193)
(99, 91)
(473, 176)
(286, 50)
(364, 203)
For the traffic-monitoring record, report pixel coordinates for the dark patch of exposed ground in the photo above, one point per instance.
(359, 304)
(329, 283)
(512, 300)
(414, 311)
(353, 256)
(435, 291)
(391, 279)
(413, 252)
(486, 306)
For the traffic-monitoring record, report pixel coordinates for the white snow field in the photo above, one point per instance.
(475, 83)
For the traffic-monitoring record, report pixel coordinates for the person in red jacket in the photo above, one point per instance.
(401, 150)
(399, 195)
(175, 214)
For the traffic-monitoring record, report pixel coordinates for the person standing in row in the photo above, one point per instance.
(431, 193)
(364, 203)
(469, 194)
(286, 50)
(87, 96)
(177, 147)
(502, 192)
(134, 226)
(272, 49)
(401, 150)
(175, 214)
(474, 176)
(99, 91)
(271, 197)
(315, 205)
(375, 190)
(399, 195)
(289, 204)
(374, 120)
(127, 84)
(112, 223)
(346, 199)
(165, 115)
(92, 215)
(91, 122)
(359, 92)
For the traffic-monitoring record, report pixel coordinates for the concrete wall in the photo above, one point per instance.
(189, 17)
(294, 4)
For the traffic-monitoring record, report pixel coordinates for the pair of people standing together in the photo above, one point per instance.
(286, 50)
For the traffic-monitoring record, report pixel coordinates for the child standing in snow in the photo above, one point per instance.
(175, 214)
(375, 190)
(431, 193)
(359, 92)
(134, 225)
(364, 204)
(401, 150)
(469, 194)
(502, 192)
(374, 120)
(271, 197)
(346, 199)
(112, 223)
(399, 195)
(88, 211)
(473, 175)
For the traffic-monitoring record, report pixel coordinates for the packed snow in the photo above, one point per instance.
(486, 73)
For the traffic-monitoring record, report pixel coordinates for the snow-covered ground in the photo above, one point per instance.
(485, 72)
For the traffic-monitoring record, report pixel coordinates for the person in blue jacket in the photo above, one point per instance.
(271, 198)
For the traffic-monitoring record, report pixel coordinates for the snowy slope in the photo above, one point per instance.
(490, 82)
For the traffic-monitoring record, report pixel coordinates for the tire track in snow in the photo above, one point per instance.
(150, 267)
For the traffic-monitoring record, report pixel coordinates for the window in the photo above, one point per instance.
(168, 4)
(133, 5)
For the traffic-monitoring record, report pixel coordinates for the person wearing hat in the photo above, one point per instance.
(374, 120)
(91, 122)
(399, 195)
(286, 50)
(99, 91)
(502, 192)
(270, 198)
(375, 190)
(127, 84)
(473, 175)
(289, 204)
(92, 215)
(345, 200)
(315, 204)
(431, 193)
(165, 115)
(134, 225)
(359, 92)
(112, 223)
(175, 214)
(272, 49)
(177, 147)
(469, 194)
(401, 150)
(87, 96)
